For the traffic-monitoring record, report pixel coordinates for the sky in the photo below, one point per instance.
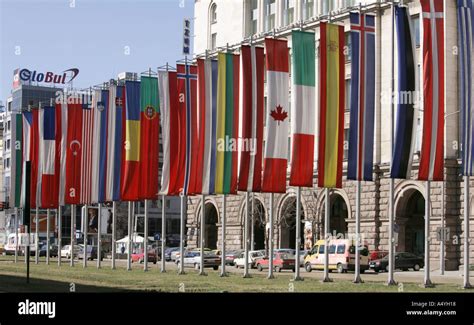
(99, 37)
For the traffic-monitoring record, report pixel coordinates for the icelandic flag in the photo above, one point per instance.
(47, 190)
(402, 155)
(466, 84)
(361, 132)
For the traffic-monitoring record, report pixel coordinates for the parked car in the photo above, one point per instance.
(178, 253)
(377, 255)
(140, 257)
(66, 251)
(403, 261)
(231, 256)
(341, 256)
(91, 253)
(281, 261)
(239, 262)
(169, 251)
(193, 259)
(53, 250)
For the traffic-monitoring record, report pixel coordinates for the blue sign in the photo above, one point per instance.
(157, 236)
(187, 37)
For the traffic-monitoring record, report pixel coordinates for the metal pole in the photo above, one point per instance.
(73, 228)
(85, 220)
(114, 248)
(181, 242)
(298, 231)
(202, 233)
(467, 284)
(326, 237)
(129, 248)
(358, 244)
(252, 224)
(163, 235)
(60, 233)
(23, 218)
(27, 253)
(427, 280)
(270, 240)
(48, 215)
(36, 236)
(145, 239)
(443, 226)
(246, 236)
(224, 217)
(391, 253)
(16, 235)
(99, 235)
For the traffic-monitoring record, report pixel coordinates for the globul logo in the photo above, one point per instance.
(48, 77)
(28, 307)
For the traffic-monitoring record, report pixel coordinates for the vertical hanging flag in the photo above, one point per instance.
(432, 149)
(149, 138)
(173, 157)
(90, 135)
(331, 114)
(406, 113)
(304, 108)
(227, 123)
(252, 106)
(466, 84)
(47, 190)
(362, 104)
(275, 159)
(130, 182)
(30, 153)
(16, 159)
(99, 147)
(207, 103)
(187, 83)
(115, 118)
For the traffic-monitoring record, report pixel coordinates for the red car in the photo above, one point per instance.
(377, 255)
(140, 257)
(281, 261)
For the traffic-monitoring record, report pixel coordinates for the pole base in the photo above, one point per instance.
(326, 279)
(181, 272)
(162, 271)
(392, 282)
(467, 286)
(145, 270)
(246, 276)
(270, 276)
(358, 279)
(223, 274)
(298, 278)
(202, 273)
(428, 284)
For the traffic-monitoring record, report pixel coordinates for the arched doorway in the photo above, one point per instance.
(337, 216)
(287, 224)
(210, 230)
(258, 235)
(410, 220)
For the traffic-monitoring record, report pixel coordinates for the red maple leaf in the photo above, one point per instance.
(279, 114)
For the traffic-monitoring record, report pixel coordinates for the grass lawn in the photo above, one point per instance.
(51, 278)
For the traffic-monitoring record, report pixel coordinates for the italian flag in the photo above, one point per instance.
(276, 147)
(303, 109)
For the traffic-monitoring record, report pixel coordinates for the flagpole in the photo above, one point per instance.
(298, 231)
(252, 223)
(246, 236)
(36, 236)
(60, 233)
(202, 233)
(25, 230)
(326, 237)
(270, 240)
(16, 235)
(73, 226)
(181, 242)
(145, 240)
(48, 215)
(443, 226)
(114, 248)
(129, 248)
(163, 232)
(358, 245)
(85, 226)
(391, 243)
(224, 217)
(427, 281)
(99, 236)
(467, 284)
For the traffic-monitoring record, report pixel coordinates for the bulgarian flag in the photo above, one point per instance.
(304, 109)
(227, 123)
(16, 163)
(276, 147)
(149, 138)
(331, 114)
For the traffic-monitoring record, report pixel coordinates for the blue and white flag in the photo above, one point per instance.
(361, 132)
(402, 155)
(466, 87)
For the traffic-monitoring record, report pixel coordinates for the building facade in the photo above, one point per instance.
(223, 25)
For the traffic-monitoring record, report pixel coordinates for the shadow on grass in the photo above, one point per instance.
(17, 284)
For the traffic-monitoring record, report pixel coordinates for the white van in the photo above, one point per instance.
(10, 246)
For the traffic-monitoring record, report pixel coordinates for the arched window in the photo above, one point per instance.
(213, 13)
